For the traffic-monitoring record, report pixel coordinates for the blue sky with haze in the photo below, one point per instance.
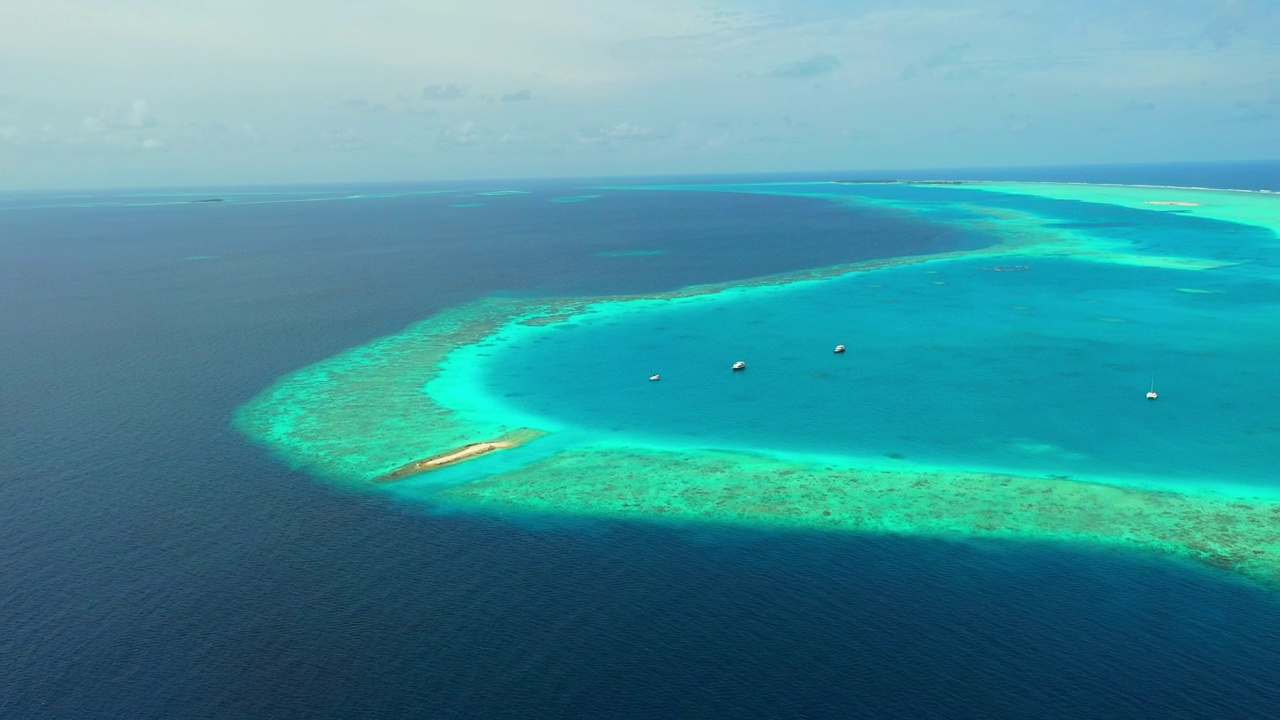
(129, 92)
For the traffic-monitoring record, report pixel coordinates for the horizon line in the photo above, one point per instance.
(884, 174)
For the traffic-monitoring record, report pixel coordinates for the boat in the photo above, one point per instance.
(654, 378)
(839, 349)
(1152, 394)
(740, 365)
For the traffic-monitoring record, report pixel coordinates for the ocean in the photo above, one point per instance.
(159, 563)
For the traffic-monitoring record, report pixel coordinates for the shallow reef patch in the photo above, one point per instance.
(1232, 533)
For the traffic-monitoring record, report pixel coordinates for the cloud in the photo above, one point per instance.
(464, 134)
(117, 126)
(952, 55)
(622, 132)
(518, 96)
(452, 91)
(1234, 18)
(812, 67)
(116, 118)
(1254, 115)
(93, 126)
(237, 135)
(1018, 124)
(342, 139)
(951, 64)
(361, 104)
(1249, 112)
(139, 115)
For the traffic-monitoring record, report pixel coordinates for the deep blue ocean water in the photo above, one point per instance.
(157, 565)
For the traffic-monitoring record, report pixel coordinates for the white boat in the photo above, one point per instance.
(1152, 394)
(740, 365)
(654, 378)
(839, 349)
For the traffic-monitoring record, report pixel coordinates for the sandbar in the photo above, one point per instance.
(462, 454)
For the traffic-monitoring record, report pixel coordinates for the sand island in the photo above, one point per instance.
(462, 454)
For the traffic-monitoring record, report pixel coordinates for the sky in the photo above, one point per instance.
(150, 93)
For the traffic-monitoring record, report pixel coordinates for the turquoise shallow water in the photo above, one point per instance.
(950, 363)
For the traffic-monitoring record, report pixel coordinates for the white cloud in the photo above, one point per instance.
(623, 131)
(140, 115)
(346, 139)
(1234, 19)
(93, 126)
(119, 118)
(517, 96)
(807, 68)
(452, 91)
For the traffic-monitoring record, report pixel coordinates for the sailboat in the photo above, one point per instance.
(1152, 394)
